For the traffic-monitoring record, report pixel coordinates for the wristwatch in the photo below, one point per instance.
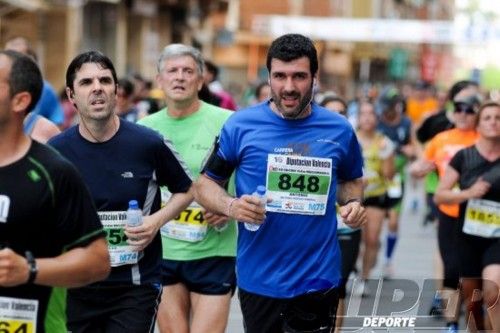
(33, 268)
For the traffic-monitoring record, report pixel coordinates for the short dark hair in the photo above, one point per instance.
(259, 88)
(24, 76)
(329, 99)
(88, 57)
(127, 86)
(458, 87)
(212, 68)
(291, 47)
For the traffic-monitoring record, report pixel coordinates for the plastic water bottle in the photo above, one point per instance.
(261, 194)
(134, 214)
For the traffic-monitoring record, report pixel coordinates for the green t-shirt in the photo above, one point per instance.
(431, 182)
(55, 321)
(189, 238)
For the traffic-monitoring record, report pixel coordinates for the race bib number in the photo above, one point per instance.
(189, 226)
(121, 253)
(482, 218)
(18, 315)
(298, 184)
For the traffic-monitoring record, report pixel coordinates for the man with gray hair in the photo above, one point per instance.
(199, 248)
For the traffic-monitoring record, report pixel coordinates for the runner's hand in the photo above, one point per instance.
(214, 219)
(478, 189)
(14, 269)
(420, 168)
(247, 208)
(353, 214)
(142, 235)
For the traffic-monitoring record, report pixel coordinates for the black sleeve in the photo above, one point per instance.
(171, 169)
(77, 221)
(423, 134)
(457, 161)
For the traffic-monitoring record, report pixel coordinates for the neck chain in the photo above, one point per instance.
(92, 135)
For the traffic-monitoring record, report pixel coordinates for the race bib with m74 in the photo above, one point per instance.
(298, 184)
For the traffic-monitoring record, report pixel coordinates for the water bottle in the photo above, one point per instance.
(134, 214)
(261, 194)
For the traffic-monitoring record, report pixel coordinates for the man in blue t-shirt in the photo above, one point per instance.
(119, 161)
(307, 157)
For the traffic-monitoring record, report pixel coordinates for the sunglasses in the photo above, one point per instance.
(464, 107)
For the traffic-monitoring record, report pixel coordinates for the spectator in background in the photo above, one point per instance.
(421, 102)
(211, 77)
(39, 128)
(39, 123)
(145, 103)
(48, 106)
(207, 96)
(125, 107)
(262, 92)
(70, 112)
(335, 103)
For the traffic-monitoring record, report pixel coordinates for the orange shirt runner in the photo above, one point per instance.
(416, 110)
(442, 148)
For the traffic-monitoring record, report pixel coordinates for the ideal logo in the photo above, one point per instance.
(4, 208)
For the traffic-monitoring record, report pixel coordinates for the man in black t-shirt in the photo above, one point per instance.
(120, 161)
(50, 234)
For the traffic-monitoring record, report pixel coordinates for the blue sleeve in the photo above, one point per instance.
(351, 166)
(49, 106)
(227, 145)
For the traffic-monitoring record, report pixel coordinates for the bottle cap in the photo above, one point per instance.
(261, 189)
(133, 204)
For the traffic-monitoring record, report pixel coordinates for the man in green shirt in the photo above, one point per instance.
(199, 248)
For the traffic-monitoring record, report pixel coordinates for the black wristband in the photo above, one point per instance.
(33, 268)
(352, 200)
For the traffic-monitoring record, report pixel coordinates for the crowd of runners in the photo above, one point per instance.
(334, 171)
